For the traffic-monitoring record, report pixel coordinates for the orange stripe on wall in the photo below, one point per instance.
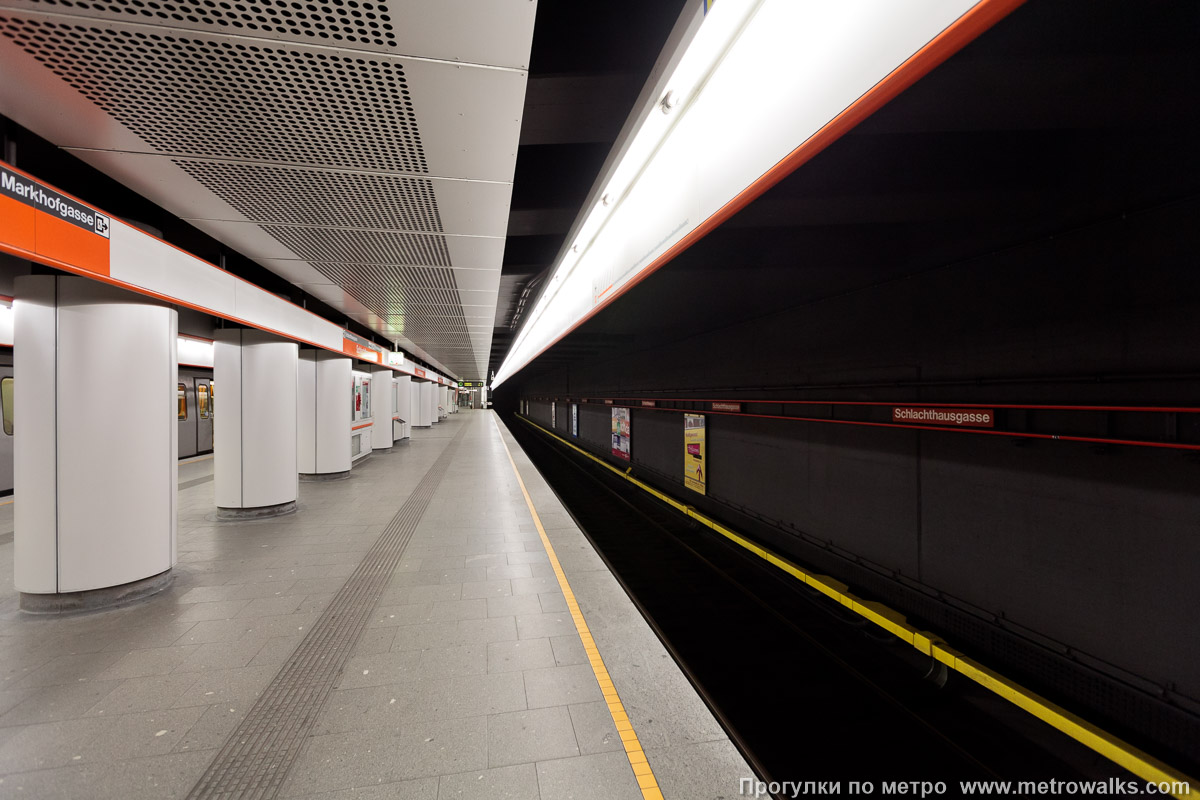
(64, 241)
(16, 223)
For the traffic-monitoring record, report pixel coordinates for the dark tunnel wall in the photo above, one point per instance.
(1085, 549)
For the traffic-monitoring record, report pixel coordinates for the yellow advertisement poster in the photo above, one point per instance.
(693, 452)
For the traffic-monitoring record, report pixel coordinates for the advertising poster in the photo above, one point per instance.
(553, 414)
(693, 452)
(574, 419)
(620, 433)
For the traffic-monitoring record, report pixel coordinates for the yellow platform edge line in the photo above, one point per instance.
(1111, 747)
(642, 773)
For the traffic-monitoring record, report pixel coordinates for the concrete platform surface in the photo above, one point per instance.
(403, 636)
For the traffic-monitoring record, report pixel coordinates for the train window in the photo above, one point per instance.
(182, 402)
(6, 400)
(202, 400)
(212, 398)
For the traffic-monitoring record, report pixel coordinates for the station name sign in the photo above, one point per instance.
(733, 407)
(957, 417)
(31, 193)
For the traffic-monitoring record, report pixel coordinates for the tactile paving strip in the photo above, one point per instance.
(256, 758)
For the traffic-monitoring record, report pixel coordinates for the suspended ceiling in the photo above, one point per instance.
(364, 151)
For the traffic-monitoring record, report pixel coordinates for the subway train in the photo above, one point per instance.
(195, 411)
(195, 416)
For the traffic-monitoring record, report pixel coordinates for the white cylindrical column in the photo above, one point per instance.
(385, 409)
(400, 428)
(324, 416)
(96, 443)
(254, 443)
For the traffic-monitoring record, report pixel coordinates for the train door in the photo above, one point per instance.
(204, 415)
(186, 410)
(6, 434)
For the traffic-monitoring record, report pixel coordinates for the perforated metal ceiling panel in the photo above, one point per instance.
(497, 32)
(319, 139)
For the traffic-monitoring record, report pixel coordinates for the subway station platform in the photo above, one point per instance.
(406, 634)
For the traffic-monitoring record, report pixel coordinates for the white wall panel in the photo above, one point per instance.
(151, 263)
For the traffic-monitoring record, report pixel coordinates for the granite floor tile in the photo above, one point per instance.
(390, 708)
(65, 669)
(600, 776)
(420, 789)
(568, 650)
(539, 625)
(558, 686)
(54, 703)
(467, 659)
(226, 686)
(487, 589)
(528, 557)
(218, 609)
(552, 602)
(523, 737)
(595, 730)
(215, 725)
(144, 778)
(424, 749)
(504, 783)
(270, 606)
(380, 669)
(535, 585)
(223, 655)
(513, 606)
(95, 739)
(509, 571)
(517, 656)
(277, 649)
(143, 694)
(155, 661)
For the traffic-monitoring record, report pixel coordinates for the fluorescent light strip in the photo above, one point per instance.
(759, 78)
